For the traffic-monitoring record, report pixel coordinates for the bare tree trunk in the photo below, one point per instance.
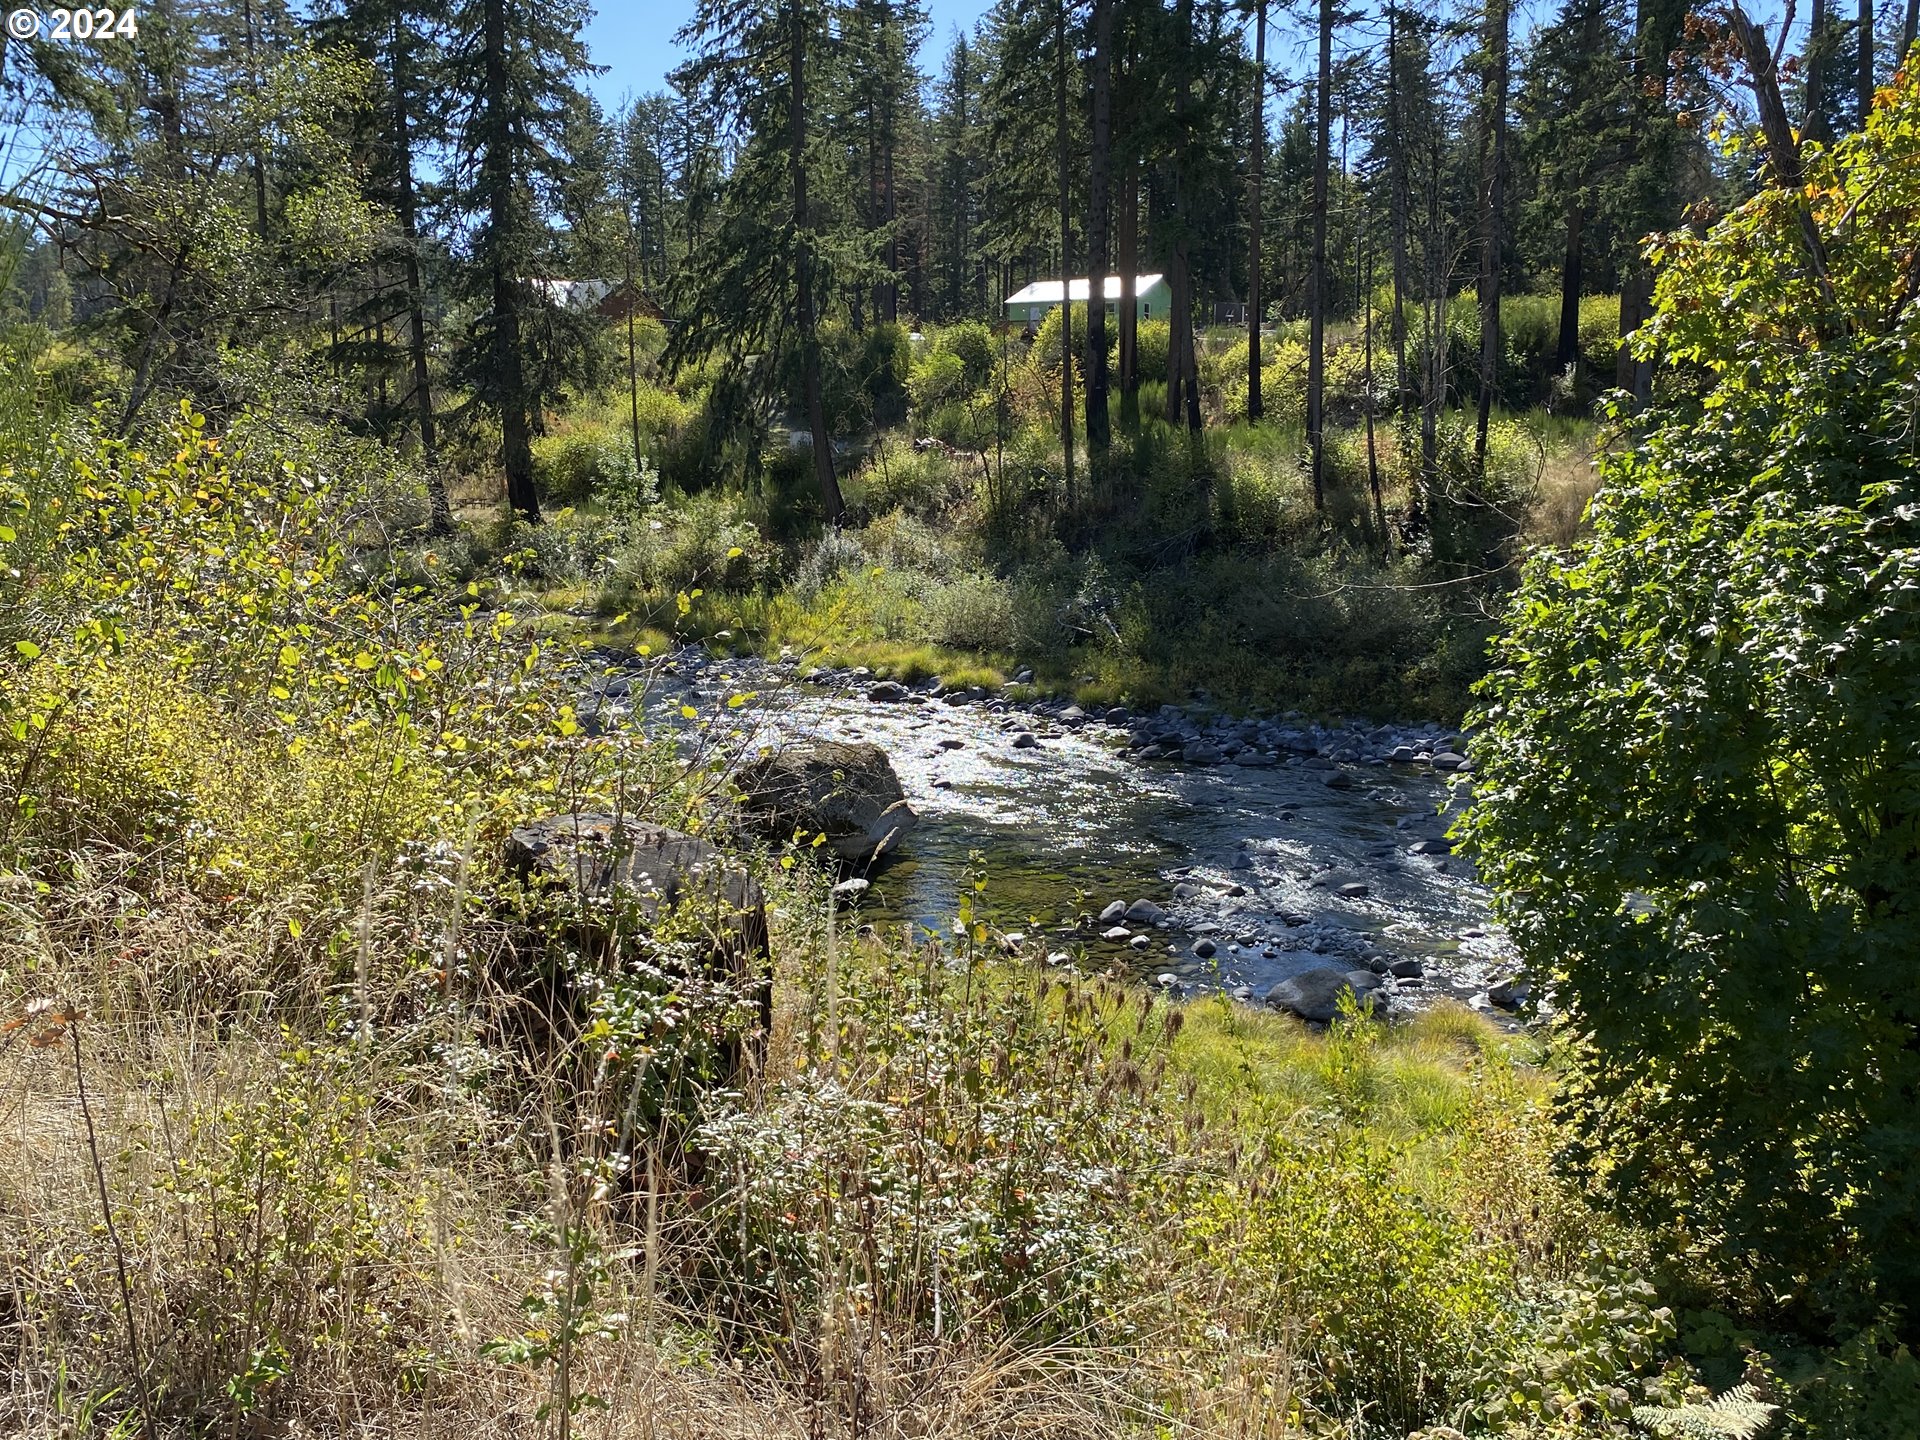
(1098, 172)
(1183, 394)
(509, 374)
(1492, 228)
(1129, 316)
(440, 510)
(1317, 286)
(1433, 381)
(1864, 80)
(1814, 124)
(1909, 29)
(1373, 458)
(1783, 147)
(1257, 164)
(1066, 240)
(1400, 203)
(1567, 351)
(816, 403)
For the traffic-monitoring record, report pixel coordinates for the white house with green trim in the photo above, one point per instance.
(1030, 304)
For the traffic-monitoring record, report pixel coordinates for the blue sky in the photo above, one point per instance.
(634, 39)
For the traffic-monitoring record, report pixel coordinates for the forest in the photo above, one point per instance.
(1157, 719)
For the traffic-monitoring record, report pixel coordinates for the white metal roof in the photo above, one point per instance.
(1047, 292)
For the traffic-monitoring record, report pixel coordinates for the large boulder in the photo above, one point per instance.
(605, 877)
(847, 792)
(1316, 994)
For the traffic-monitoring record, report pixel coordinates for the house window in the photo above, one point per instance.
(1146, 310)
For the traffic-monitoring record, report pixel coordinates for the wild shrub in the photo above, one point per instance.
(1698, 801)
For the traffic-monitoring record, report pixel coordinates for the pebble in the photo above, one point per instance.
(1118, 932)
(1140, 942)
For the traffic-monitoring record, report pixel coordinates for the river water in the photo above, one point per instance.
(1060, 830)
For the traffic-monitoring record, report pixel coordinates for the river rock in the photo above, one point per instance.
(1025, 740)
(1448, 760)
(1145, 912)
(1408, 969)
(1204, 948)
(1353, 890)
(847, 792)
(952, 744)
(1430, 847)
(1117, 933)
(1511, 993)
(889, 692)
(1115, 912)
(1315, 994)
(1185, 890)
(1201, 752)
(1338, 780)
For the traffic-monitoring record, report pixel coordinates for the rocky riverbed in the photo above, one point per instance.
(1190, 850)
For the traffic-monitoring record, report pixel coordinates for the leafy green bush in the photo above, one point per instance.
(1699, 806)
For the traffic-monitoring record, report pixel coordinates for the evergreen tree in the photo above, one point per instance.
(513, 64)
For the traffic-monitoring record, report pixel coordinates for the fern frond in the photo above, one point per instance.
(1740, 1414)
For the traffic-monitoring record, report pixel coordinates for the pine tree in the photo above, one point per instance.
(513, 64)
(754, 286)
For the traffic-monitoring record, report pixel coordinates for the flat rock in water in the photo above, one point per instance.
(1118, 932)
(1025, 740)
(1316, 994)
(1338, 780)
(1448, 760)
(849, 793)
(890, 691)
(1353, 890)
(1511, 993)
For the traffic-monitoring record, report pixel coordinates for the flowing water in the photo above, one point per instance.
(1061, 829)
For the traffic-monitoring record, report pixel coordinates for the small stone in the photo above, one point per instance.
(1140, 942)
(1243, 861)
(1430, 847)
(1204, 948)
(1144, 912)
(943, 784)
(1185, 890)
(1200, 752)
(1166, 980)
(1114, 913)
(1353, 890)
(851, 889)
(1117, 715)
(1511, 993)
(1058, 957)
(888, 691)
(1448, 760)
(1025, 740)
(1236, 891)
(1073, 715)
(952, 744)
(1406, 969)
(1338, 780)
(1117, 933)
